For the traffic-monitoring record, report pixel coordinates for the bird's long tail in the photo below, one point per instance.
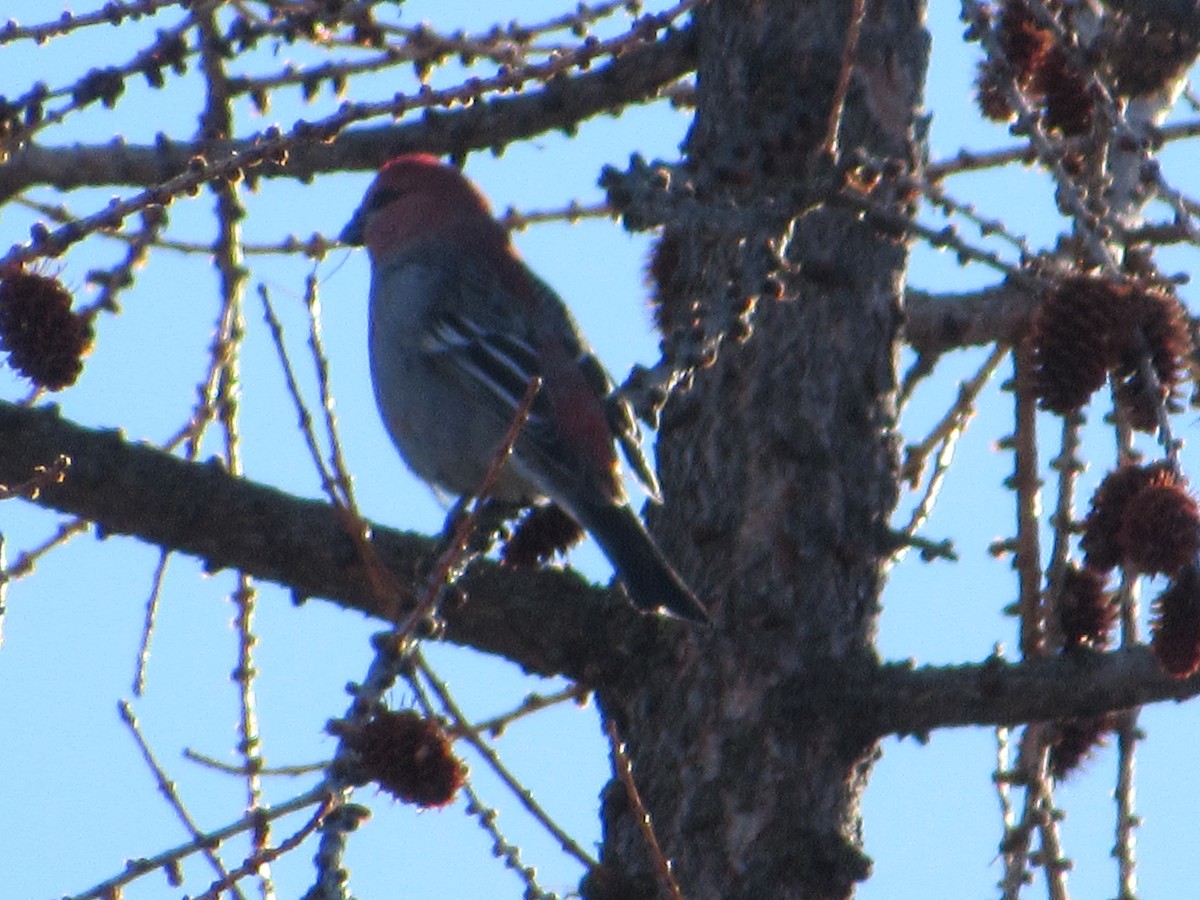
(648, 578)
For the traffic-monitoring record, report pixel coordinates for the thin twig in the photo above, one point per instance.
(621, 763)
(1124, 849)
(944, 437)
(264, 855)
(487, 817)
(335, 482)
(273, 144)
(244, 674)
(337, 459)
(27, 560)
(515, 220)
(946, 238)
(216, 123)
(167, 788)
(1068, 465)
(1015, 845)
(461, 726)
(949, 206)
(143, 866)
(1054, 864)
(833, 125)
(969, 161)
(241, 770)
(79, 96)
(305, 423)
(955, 419)
(60, 25)
(393, 648)
(496, 725)
(1027, 484)
(143, 655)
(1002, 777)
(116, 278)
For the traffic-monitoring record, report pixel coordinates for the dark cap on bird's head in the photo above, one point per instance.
(431, 193)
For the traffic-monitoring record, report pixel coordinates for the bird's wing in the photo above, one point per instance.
(500, 347)
(620, 421)
(500, 362)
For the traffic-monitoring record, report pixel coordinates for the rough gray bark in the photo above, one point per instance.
(780, 473)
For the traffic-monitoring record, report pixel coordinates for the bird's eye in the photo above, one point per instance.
(382, 197)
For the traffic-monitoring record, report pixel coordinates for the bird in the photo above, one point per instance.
(459, 328)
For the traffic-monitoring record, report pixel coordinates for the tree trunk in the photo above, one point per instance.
(779, 468)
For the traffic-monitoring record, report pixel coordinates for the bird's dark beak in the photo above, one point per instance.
(352, 234)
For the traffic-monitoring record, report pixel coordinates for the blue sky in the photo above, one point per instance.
(77, 798)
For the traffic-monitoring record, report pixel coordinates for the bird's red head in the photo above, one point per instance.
(414, 196)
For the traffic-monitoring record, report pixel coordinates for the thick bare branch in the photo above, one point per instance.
(550, 622)
(935, 323)
(564, 103)
(904, 700)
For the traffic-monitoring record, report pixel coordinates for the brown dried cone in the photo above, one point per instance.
(1041, 70)
(1160, 528)
(1073, 740)
(543, 532)
(1068, 100)
(1158, 326)
(1086, 613)
(1102, 550)
(1176, 641)
(1023, 40)
(45, 341)
(1075, 340)
(990, 93)
(406, 754)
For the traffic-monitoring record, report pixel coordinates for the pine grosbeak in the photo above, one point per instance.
(459, 327)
